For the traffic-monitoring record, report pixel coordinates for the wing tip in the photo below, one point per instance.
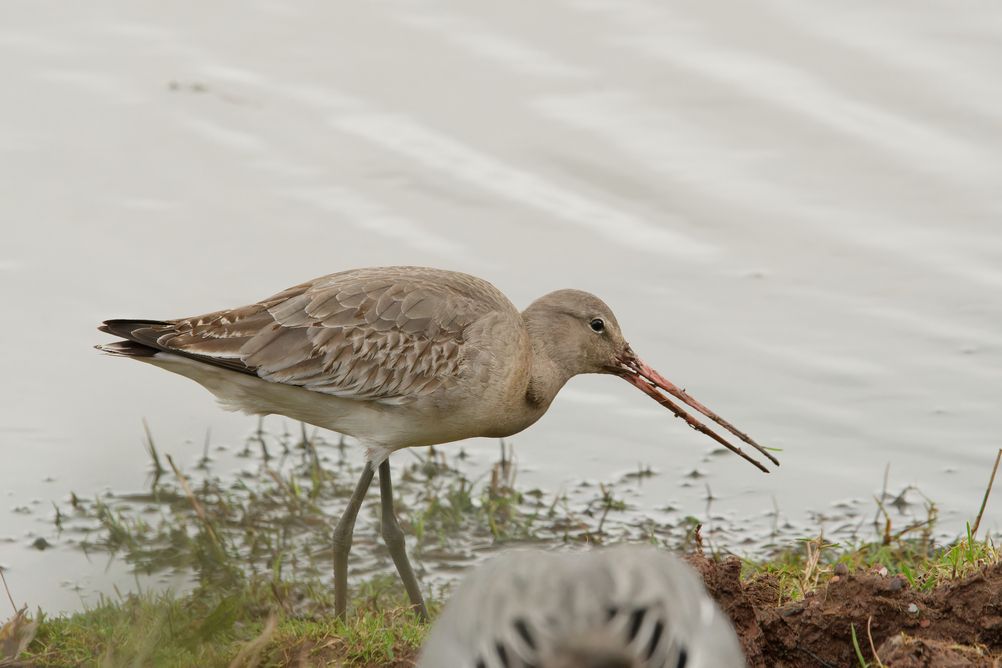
(126, 349)
(126, 327)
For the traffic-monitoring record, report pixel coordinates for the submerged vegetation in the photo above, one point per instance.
(254, 553)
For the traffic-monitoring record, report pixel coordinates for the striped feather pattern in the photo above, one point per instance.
(387, 334)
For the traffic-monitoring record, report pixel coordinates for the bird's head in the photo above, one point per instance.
(578, 331)
(580, 334)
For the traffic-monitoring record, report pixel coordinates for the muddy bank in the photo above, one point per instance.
(954, 624)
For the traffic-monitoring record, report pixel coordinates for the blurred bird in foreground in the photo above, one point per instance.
(629, 606)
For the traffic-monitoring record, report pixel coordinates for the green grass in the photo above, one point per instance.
(258, 553)
(859, 653)
(164, 630)
(910, 551)
(213, 626)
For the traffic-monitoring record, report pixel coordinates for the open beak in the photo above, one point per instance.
(633, 369)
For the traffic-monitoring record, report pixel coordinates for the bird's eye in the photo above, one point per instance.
(596, 325)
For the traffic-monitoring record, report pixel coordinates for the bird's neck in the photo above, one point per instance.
(551, 367)
(544, 383)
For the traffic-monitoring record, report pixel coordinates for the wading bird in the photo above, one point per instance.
(628, 606)
(399, 357)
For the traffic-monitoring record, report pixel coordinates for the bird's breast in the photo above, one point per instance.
(489, 397)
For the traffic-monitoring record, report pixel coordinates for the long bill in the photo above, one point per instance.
(639, 374)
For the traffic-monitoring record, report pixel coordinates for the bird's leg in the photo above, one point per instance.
(393, 536)
(342, 541)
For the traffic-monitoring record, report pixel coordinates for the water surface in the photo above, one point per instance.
(793, 210)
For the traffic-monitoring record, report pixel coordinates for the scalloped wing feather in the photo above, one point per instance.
(389, 334)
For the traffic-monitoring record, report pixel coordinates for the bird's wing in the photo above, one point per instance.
(388, 334)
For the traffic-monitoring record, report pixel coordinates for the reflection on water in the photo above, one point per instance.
(269, 515)
(792, 209)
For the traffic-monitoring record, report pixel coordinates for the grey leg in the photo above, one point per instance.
(393, 536)
(342, 541)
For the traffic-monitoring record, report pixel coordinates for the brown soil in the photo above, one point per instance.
(958, 624)
(313, 653)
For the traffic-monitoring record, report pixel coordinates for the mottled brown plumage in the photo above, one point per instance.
(388, 335)
(419, 356)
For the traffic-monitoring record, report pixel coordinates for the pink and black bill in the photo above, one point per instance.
(637, 372)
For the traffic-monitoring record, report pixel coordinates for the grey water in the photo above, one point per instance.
(794, 210)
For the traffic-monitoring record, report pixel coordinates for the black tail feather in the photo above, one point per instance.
(127, 349)
(143, 337)
(148, 337)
